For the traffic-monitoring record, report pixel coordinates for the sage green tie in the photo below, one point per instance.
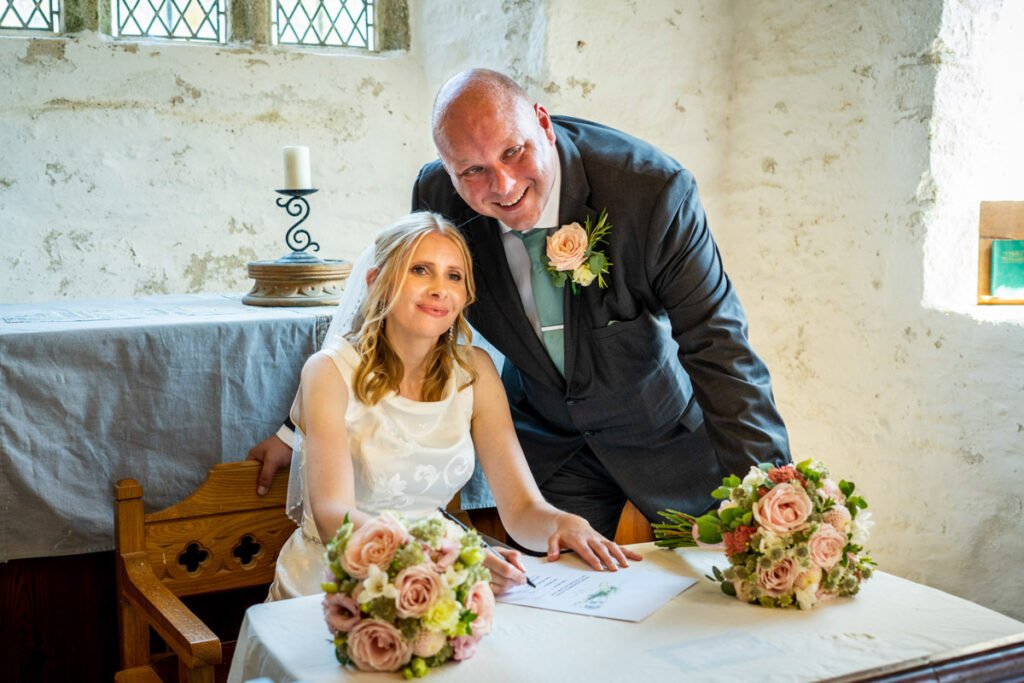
(546, 296)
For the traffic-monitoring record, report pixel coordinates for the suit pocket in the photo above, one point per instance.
(617, 327)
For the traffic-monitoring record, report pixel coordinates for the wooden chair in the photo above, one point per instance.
(222, 537)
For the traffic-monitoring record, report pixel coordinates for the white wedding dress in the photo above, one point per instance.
(408, 456)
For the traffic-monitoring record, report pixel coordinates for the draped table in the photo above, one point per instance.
(700, 635)
(158, 389)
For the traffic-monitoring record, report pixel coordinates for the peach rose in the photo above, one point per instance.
(480, 601)
(419, 587)
(826, 546)
(373, 543)
(783, 509)
(428, 643)
(567, 247)
(341, 613)
(830, 489)
(376, 645)
(443, 557)
(778, 579)
(464, 647)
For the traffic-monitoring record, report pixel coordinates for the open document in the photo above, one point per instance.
(570, 585)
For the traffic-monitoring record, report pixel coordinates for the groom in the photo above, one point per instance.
(645, 389)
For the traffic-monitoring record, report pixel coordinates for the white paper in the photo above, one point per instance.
(571, 585)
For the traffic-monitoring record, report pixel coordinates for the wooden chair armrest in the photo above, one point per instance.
(194, 643)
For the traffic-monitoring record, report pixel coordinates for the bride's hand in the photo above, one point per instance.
(507, 571)
(575, 533)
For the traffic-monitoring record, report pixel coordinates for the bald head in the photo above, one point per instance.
(480, 92)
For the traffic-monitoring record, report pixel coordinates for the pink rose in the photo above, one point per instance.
(783, 509)
(418, 587)
(376, 645)
(480, 601)
(373, 543)
(464, 647)
(341, 613)
(445, 556)
(778, 579)
(838, 517)
(826, 546)
(428, 643)
(830, 489)
(567, 247)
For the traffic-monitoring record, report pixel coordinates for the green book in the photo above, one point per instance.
(1008, 269)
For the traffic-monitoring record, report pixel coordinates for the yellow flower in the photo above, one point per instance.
(582, 275)
(443, 616)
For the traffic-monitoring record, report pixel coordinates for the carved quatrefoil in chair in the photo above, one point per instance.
(222, 537)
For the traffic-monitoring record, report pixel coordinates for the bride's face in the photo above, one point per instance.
(433, 291)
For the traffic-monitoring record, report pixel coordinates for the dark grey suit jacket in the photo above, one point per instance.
(647, 360)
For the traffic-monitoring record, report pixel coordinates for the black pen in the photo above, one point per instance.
(487, 545)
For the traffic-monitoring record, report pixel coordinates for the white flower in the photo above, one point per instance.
(376, 585)
(755, 477)
(583, 276)
(769, 541)
(454, 578)
(805, 597)
(726, 504)
(861, 526)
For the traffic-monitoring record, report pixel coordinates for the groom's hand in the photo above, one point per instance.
(575, 533)
(273, 454)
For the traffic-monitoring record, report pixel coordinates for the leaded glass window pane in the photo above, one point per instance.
(339, 23)
(31, 15)
(174, 19)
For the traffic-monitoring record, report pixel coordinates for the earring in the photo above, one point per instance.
(451, 334)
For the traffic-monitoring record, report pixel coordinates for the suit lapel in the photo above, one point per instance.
(573, 207)
(495, 283)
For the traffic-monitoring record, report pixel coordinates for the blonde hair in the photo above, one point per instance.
(380, 370)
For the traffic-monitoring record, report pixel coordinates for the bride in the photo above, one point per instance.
(390, 411)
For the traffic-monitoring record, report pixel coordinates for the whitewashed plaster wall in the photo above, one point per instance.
(837, 132)
(132, 169)
(817, 132)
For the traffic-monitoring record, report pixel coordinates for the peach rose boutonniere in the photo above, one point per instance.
(573, 254)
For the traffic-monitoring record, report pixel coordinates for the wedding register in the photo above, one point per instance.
(570, 585)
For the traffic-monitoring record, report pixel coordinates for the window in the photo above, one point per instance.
(30, 15)
(203, 20)
(340, 23)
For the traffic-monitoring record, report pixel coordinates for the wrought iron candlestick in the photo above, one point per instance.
(299, 278)
(298, 239)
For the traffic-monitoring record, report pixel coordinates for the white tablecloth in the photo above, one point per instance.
(701, 635)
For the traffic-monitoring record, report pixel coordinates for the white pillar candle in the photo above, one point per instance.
(296, 169)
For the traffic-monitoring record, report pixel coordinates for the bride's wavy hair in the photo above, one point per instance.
(380, 370)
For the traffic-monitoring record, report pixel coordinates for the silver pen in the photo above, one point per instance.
(487, 545)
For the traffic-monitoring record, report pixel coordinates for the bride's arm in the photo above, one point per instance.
(531, 520)
(323, 399)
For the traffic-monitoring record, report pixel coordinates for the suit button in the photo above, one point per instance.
(571, 402)
(589, 433)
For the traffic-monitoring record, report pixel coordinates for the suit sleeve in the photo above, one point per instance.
(731, 384)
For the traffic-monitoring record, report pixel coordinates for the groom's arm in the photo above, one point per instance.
(730, 382)
(273, 453)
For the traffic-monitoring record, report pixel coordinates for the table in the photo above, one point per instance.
(158, 389)
(701, 635)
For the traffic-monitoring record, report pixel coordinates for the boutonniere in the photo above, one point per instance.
(573, 254)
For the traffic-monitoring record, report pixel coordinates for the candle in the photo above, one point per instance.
(296, 169)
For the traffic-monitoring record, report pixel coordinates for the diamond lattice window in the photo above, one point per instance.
(337, 23)
(30, 15)
(175, 19)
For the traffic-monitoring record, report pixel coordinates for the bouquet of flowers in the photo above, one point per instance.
(406, 596)
(792, 535)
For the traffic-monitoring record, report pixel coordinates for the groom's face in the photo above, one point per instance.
(501, 159)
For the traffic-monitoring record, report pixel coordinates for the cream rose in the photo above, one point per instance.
(341, 613)
(373, 543)
(567, 247)
(419, 587)
(428, 643)
(778, 579)
(480, 601)
(826, 546)
(783, 509)
(376, 645)
(583, 276)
